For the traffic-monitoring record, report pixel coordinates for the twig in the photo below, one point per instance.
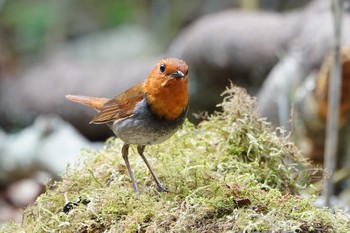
(334, 90)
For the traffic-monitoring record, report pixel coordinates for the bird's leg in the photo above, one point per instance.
(125, 152)
(160, 188)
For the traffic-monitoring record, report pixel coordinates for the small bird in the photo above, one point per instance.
(148, 113)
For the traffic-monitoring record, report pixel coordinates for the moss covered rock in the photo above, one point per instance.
(230, 173)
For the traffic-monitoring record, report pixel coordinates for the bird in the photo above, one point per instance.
(145, 114)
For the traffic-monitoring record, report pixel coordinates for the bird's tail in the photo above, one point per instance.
(93, 102)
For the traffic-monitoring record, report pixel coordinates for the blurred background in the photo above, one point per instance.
(277, 50)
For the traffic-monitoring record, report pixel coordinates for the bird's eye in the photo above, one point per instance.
(186, 72)
(162, 68)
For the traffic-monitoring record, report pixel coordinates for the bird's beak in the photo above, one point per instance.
(178, 74)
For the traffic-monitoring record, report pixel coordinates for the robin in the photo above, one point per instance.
(148, 113)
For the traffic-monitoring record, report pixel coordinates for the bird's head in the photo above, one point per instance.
(167, 88)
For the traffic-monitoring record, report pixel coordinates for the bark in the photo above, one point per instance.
(312, 104)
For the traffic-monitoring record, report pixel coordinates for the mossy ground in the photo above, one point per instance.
(230, 173)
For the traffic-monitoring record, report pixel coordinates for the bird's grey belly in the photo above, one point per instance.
(138, 132)
(143, 128)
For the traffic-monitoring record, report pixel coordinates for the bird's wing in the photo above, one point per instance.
(121, 106)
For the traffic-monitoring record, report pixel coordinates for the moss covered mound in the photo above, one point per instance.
(231, 173)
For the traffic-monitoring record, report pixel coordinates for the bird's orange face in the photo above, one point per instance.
(167, 88)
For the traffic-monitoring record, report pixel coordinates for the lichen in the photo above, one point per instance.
(232, 172)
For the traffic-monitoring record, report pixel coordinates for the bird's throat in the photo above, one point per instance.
(170, 99)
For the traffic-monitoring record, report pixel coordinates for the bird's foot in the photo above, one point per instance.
(161, 189)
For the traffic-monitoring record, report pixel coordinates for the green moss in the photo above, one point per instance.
(231, 173)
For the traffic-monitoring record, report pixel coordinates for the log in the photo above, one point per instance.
(41, 90)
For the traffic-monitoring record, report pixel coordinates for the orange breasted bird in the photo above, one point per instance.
(148, 113)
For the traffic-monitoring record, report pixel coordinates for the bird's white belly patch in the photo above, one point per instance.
(134, 131)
